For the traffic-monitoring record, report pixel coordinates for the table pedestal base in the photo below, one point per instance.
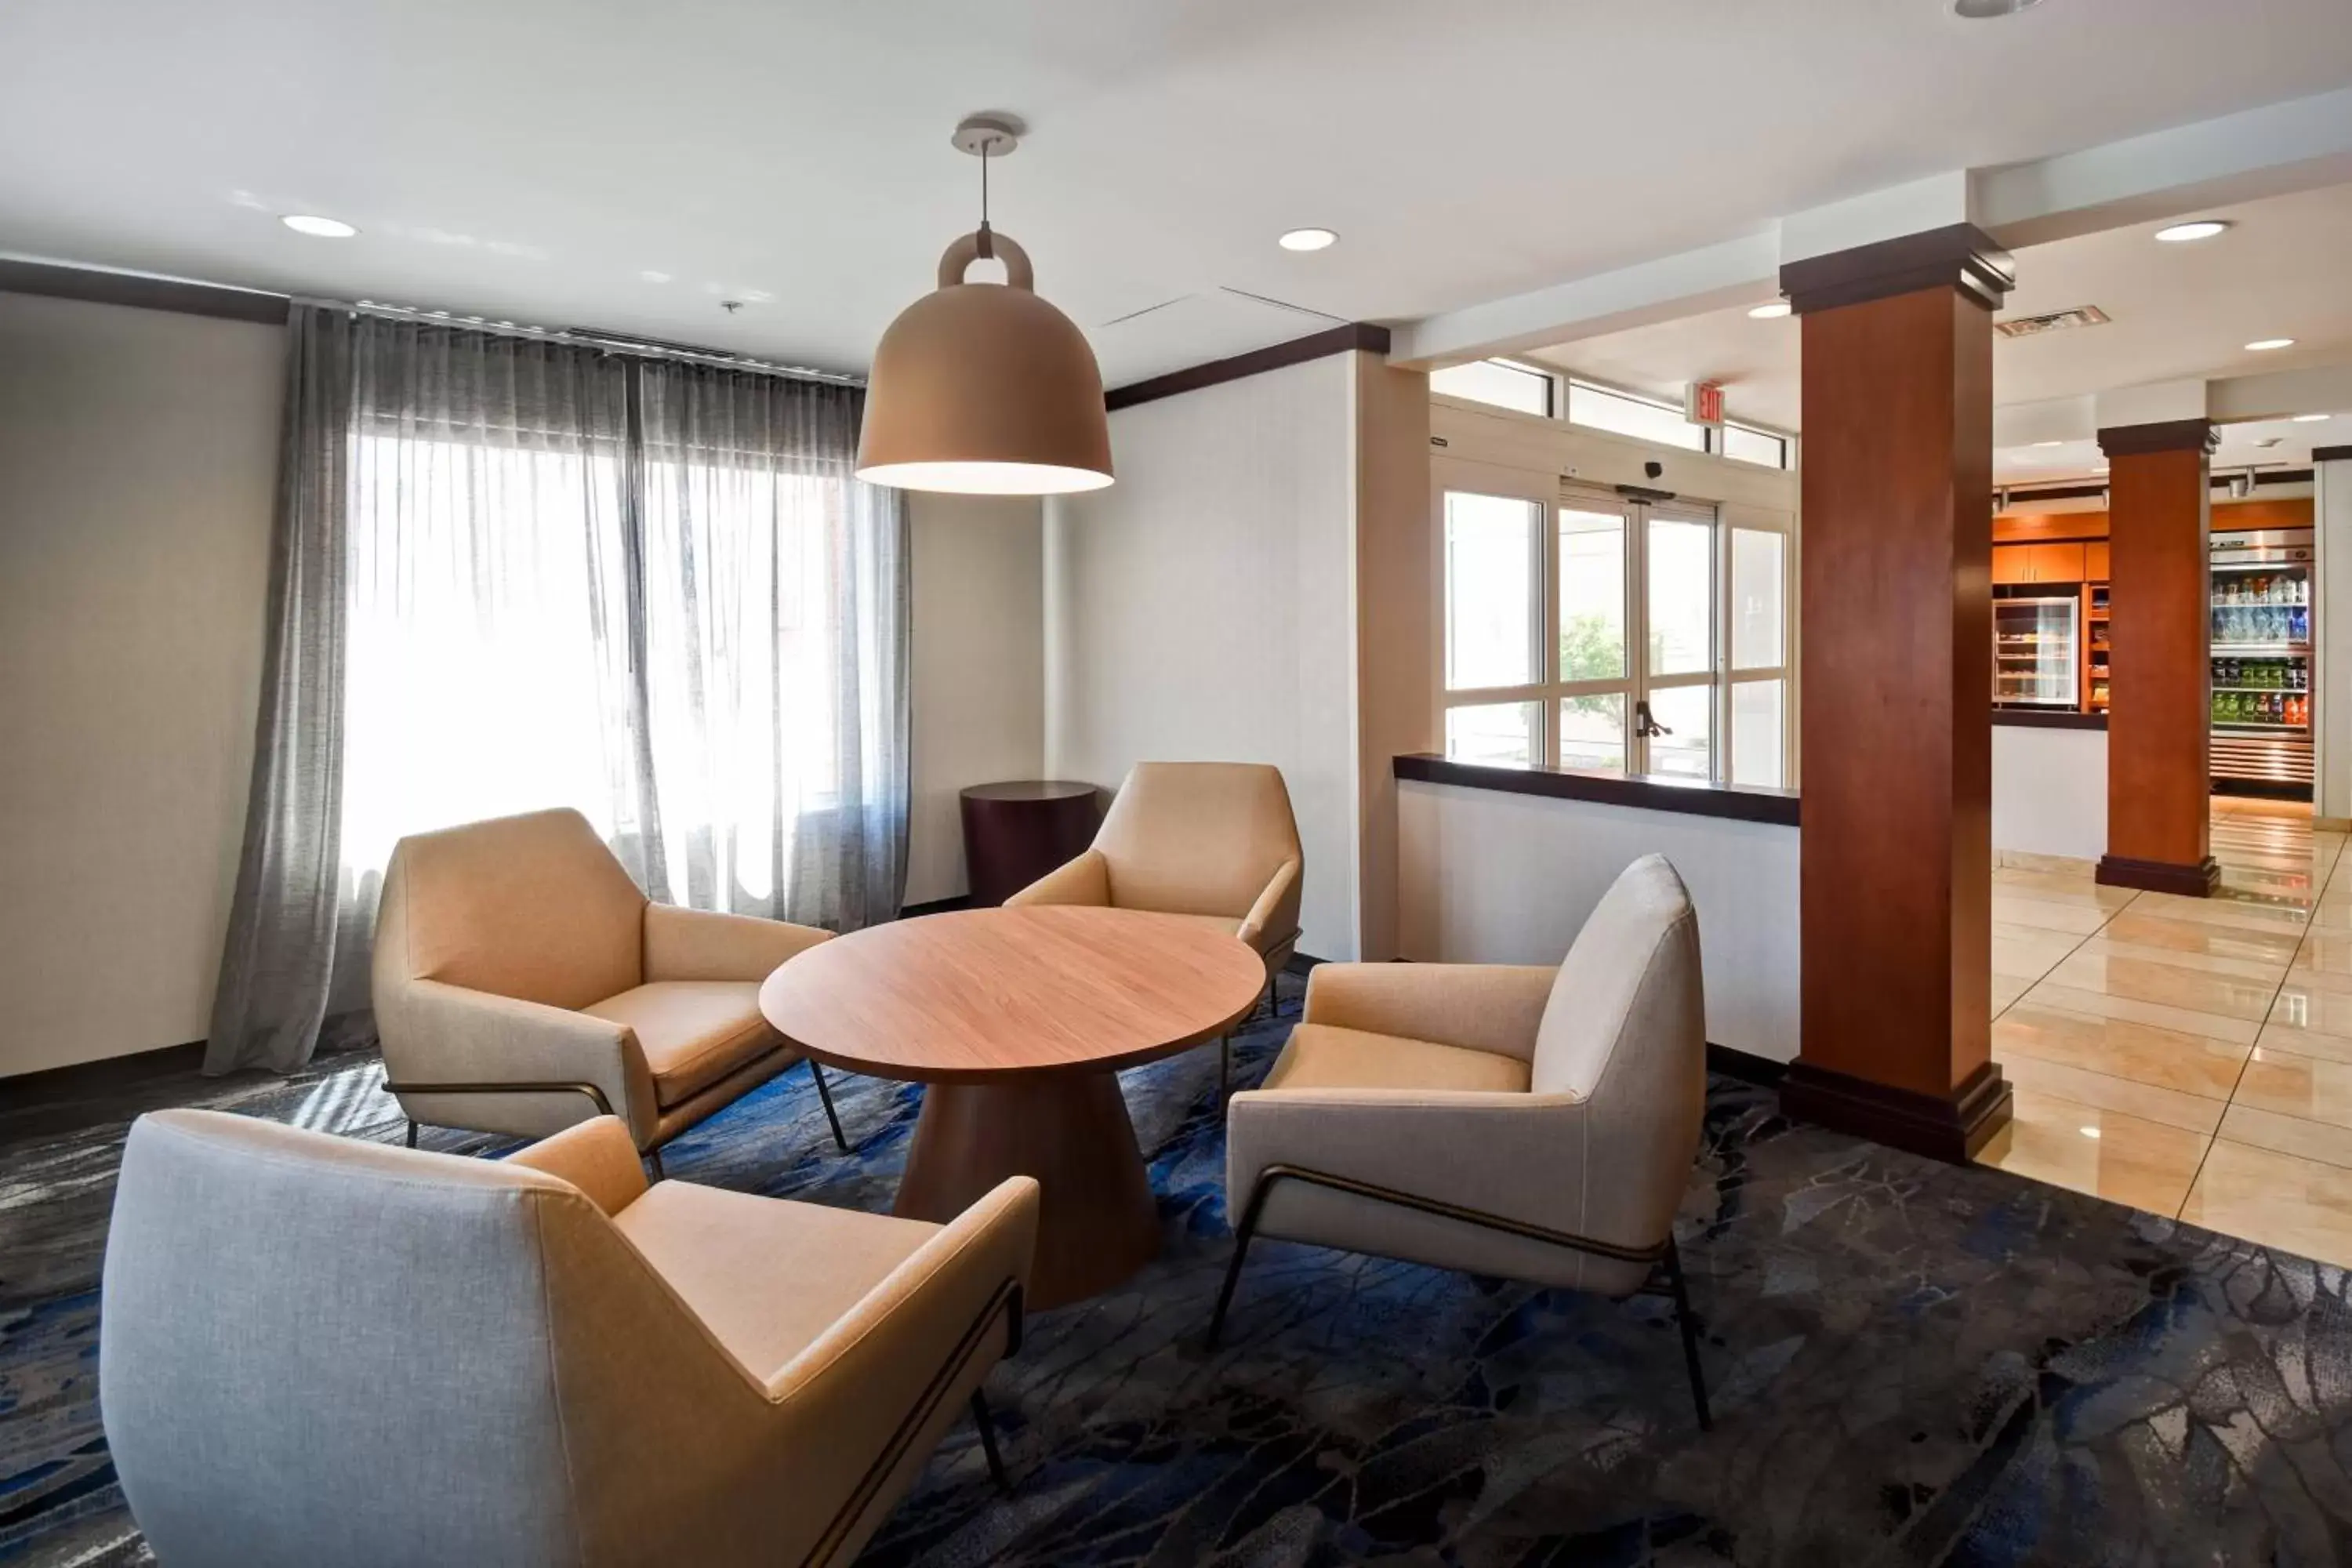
(1096, 1223)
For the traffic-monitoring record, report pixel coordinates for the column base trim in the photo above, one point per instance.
(2196, 881)
(1950, 1128)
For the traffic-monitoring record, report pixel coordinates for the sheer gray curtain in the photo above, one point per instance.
(529, 575)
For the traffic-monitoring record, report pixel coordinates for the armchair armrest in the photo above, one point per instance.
(702, 944)
(1518, 1156)
(1276, 913)
(598, 1156)
(444, 1034)
(880, 1384)
(1084, 880)
(923, 1309)
(1492, 1007)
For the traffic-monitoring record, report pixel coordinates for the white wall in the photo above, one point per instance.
(138, 458)
(1203, 607)
(1490, 877)
(979, 696)
(2050, 791)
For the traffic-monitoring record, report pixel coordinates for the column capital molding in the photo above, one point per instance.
(2163, 436)
(1958, 255)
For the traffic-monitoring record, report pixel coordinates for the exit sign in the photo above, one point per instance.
(1703, 403)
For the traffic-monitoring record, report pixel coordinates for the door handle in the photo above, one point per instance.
(1645, 724)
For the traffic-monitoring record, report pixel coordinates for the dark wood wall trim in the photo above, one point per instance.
(1353, 336)
(1952, 1127)
(1959, 256)
(2037, 718)
(1745, 1066)
(2196, 881)
(2331, 454)
(188, 299)
(1689, 798)
(2162, 436)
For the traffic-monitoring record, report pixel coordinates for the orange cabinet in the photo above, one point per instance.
(2057, 563)
(2039, 564)
(2095, 562)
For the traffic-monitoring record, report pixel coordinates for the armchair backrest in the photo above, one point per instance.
(1198, 838)
(312, 1346)
(1625, 1032)
(532, 907)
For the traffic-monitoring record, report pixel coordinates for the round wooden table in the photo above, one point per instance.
(1016, 1021)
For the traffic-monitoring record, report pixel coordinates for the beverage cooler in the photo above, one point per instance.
(2036, 650)
(2264, 631)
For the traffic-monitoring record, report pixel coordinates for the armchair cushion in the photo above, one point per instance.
(766, 1278)
(1320, 1057)
(693, 1032)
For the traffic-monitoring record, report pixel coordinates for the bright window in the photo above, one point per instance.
(1645, 419)
(1747, 444)
(1497, 382)
(1490, 615)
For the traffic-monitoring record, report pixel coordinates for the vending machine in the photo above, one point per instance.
(2264, 628)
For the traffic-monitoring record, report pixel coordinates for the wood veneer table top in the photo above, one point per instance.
(985, 993)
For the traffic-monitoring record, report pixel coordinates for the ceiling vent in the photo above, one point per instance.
(2056, 321)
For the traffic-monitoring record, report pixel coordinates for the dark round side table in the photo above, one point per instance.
(1015, 833)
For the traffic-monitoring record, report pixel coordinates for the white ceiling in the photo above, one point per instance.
(548, 161)
(2180, 311)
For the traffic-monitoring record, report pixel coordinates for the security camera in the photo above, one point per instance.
(1655, 470)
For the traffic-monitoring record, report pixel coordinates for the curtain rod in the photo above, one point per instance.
(608, 343)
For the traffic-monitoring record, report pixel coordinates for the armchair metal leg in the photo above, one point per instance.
(1242, 1233)
(654, 1165)
(986, 1423)
(825, 1094)
(1225, 1068)
(412, 1133)
(1689, 1327)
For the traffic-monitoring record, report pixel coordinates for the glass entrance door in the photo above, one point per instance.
(1597, 631)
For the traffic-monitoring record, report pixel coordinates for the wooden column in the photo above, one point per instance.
(1896, 842)
(2159, 776)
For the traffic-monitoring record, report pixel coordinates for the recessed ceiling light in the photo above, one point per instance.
(1985, 10)
(1308, 240)
(2264, 345)
(2309, 418)
(2182, 233)
(2050, 442)
(319, 227)
(1771, 312)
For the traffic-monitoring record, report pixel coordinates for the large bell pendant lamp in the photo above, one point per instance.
(984, 388)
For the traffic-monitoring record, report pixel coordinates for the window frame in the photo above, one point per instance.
(1548, 693)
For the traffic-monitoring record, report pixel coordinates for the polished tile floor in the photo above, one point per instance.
(2191, 1057)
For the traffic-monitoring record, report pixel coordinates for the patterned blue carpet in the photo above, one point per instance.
(1912, 1363)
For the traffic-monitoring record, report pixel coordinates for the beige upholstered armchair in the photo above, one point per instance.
(582, 1370)
(1214, 840)
(523, 982)
(1533, 1123)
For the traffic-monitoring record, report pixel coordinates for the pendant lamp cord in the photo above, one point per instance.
(987, 239)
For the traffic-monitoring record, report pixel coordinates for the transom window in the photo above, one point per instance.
(1553, 394)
